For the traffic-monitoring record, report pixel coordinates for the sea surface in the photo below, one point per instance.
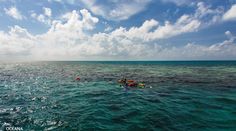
(179, 95)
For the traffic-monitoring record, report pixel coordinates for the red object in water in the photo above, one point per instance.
(130, 81)
(132, 84)
(77, 78)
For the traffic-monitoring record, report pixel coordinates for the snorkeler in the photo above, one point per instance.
(123, 82)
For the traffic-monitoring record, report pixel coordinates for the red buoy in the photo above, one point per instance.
(77, 78)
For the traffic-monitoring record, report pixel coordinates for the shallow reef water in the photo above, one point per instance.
(184, 95)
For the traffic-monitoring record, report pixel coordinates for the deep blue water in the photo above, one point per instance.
(179, 95)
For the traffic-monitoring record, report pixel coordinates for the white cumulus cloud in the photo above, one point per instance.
(151, 30)
(230, 14)
(69, 38)
(47, 11)
(45, 17)
(13, 12)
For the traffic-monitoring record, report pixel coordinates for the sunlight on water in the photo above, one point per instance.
(184, 95)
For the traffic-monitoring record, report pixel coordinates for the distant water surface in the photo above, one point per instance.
(184, 95)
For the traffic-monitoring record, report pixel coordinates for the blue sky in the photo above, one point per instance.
(117, 29)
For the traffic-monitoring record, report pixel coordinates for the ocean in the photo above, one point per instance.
(178, 95)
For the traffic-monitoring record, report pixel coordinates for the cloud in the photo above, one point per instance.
(47, 11)
(69, 38)
(88, 20)
(230, 14)
(41, 18)
(13, 12)
(55, 0)
(60, 39)
(224, 50)
(180, 2)
(45, 17)
(108, 28)
(207, 14)
(64, 1)
(16, 43)
(151, 30)
(117, 10)
(203, 12)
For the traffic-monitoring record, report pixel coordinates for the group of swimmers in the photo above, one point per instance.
(126, 83)
(131, 83)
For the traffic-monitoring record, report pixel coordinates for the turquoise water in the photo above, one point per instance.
(185, 95)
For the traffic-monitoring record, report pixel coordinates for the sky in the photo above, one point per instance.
(117, 30)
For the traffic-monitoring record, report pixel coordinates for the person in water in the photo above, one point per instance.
(124, 84)
(124, 81)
